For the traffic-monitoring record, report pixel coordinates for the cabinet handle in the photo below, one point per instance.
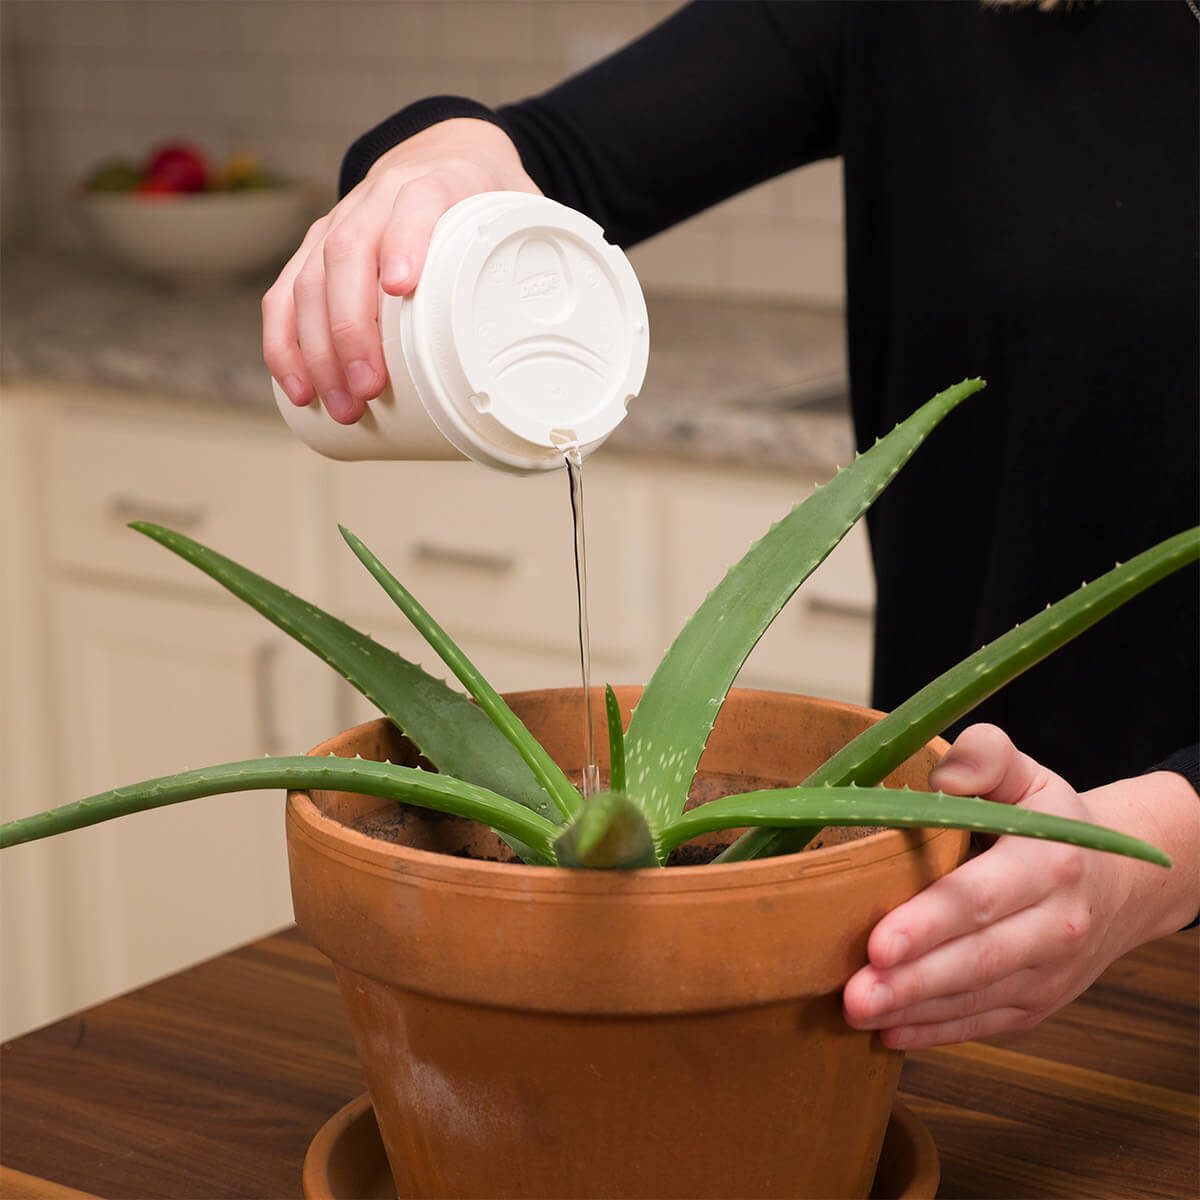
(265, 708)
(452, 556)
(178, 516)
(858, 610)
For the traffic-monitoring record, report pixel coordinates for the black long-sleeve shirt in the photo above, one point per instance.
(1021, 203)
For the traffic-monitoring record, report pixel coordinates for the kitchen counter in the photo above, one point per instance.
(742, 383)
(212, 1083)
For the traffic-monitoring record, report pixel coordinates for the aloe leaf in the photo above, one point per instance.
(675, 715)
(411, 785)
(450, 731)
(547, 772)
(882, 747)
(608, 833)
(616, 741)
(899, 808)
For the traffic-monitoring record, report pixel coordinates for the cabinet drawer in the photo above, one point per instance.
(225, 486)
(822, 641)
(491, 555)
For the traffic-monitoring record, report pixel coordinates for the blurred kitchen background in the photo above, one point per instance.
(134, 391)
(295, 81)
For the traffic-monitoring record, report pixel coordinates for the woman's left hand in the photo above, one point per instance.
(1020, 930)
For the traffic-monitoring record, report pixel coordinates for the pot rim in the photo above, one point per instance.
(306, 820)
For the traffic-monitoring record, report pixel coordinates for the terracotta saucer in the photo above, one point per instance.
(346, 1160)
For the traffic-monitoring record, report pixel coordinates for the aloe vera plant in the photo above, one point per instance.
(491, 769)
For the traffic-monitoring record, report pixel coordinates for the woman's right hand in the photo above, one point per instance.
(320, 317)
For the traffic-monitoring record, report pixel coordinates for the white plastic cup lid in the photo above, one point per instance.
(531, 337)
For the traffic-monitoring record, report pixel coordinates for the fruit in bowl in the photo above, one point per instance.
(178, 167)
(180, 219)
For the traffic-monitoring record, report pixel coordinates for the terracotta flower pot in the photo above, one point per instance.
(539, 1032)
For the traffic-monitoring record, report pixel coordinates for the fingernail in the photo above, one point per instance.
(879, 999)
(396, 270)
(339, 403)
(294, 386)
(361, 375)
(897, 947)
(956, 760)
(946, 776)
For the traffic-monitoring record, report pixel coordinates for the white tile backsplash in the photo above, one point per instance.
(59, 83)
(789, 262)
(383, 30)
(296, 80)
(86, 25)
(688, 258)
(487, 31)
(195, 26)
(504, 83)
(814, 195)
(756, 204)
(296, 29)
(577, 33)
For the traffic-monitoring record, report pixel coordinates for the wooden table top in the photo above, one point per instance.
(212, 1082)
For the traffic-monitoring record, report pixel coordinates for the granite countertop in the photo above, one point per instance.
(728, 382)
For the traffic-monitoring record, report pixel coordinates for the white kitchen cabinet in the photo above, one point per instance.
(227, 483)
(137, 665)
(821, 643)
(30, 959)
(492, 555)
(122, 662)
(150, 685)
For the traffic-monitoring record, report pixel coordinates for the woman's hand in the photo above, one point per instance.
(1020, 930)
(320, 317)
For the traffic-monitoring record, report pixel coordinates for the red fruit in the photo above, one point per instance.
(156, 187)
(181, 167)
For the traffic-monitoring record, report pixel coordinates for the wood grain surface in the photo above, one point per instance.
(212, 1082)
(16, 1185)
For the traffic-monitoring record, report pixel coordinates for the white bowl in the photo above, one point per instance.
(200, 237)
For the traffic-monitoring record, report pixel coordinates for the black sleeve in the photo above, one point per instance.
(722, 95)
(1185, 762)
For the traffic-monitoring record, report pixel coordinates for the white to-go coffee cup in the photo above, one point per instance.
(526, 335)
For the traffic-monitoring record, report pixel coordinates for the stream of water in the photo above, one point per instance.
(590, 783)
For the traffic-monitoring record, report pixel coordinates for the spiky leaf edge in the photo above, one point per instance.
(675, 715)
(882, 747)
(616, 740)
(897, 808)
(447, 729)
(411, 785)
(546, 771)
